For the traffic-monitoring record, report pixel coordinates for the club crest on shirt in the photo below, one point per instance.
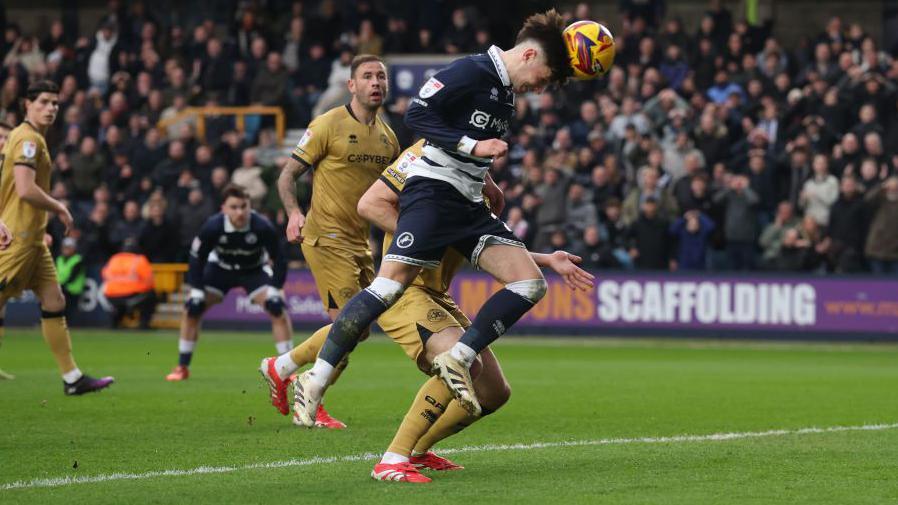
(29, 149)
(251, 238)
(430, 88)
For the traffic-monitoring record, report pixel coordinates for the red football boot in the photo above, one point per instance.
(179, 373)
(277, 387)
(398, 472)
(431, 461)
(324, 420)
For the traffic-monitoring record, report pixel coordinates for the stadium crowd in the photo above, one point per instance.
(717, 149)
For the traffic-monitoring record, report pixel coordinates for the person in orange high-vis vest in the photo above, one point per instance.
(128, 285)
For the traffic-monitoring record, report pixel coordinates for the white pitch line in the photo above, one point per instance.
(327, 460)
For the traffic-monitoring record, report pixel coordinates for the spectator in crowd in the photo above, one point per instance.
(882, 240)
(129, 227)
(740, 225)
(191, 216)
(820, 191)
(772, 236)
(158, 231)
(249, 175)
(580, 212)
(691, 233)
(847, 228)
(596, 253)
(648, 238)
(87, 169)
(649, 187)
(550, 213)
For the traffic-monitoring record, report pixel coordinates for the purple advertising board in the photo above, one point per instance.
(651, 302)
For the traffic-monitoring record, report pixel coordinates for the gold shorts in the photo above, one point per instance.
(417, 315)
(339, 273)
(28, 266)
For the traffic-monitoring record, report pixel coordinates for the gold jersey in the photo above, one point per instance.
(346, 157)
(435, 280)
(25, 146)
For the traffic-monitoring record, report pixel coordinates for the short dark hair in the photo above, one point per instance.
(5, 125)
(359, 59)
(43, 86)
(547, 29)
(234, 190)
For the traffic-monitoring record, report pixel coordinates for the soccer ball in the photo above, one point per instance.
(591, 49)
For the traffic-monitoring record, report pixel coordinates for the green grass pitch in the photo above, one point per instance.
(564, 390)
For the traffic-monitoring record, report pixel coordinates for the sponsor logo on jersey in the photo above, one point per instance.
(480, 119)
(431, 87)
(494, 95)
(353, 138)
(369, 158)
(405, 240)
(29, 149)
(385, 139)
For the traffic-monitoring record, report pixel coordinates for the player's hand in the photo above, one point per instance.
(5, 236)
(48, 240)
(491, 148)
(295, 224)
(565, 265)
(495, 196)
(66, 217)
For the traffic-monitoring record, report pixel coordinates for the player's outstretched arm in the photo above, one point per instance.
(565, 265)
(380, 206)
(296, 220)
(29, 191)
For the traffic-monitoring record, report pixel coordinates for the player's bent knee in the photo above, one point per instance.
(387, 290)
(531, 289)
(274, 306)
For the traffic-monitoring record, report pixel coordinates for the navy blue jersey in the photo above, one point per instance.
(468, 101)
(234, 249)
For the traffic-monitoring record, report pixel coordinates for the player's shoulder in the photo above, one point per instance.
(214, 224)
(26, 133)
(259, 222)
(473, 67)
(332, 117)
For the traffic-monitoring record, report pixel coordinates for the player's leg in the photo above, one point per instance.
(339, 275)
(416, 322)
(55, 330)
(3, 375)
(419, 241)
(354, 319)
(509, 263)
(493, 391)
(191, 321)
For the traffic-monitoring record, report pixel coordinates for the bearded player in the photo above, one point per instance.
(347, 148)
(26, 263)
(462, 112)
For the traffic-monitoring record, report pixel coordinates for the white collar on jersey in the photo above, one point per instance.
(494, 52)
(230, 228)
